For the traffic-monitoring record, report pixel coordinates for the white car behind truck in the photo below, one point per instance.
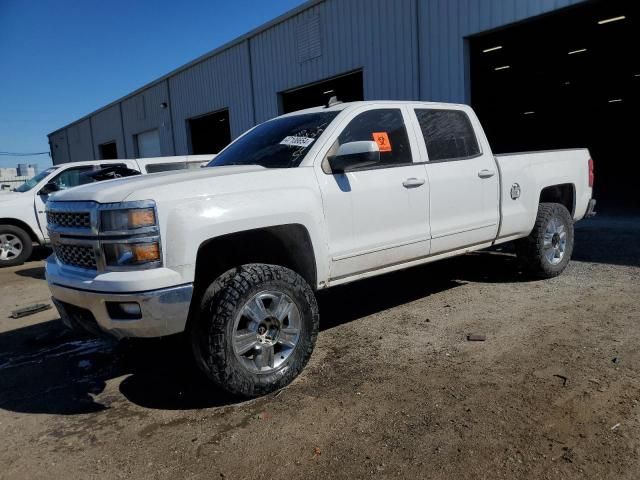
(22, 210)
(233, 256)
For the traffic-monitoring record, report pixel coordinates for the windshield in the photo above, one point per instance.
(32, 182)
(279, 143)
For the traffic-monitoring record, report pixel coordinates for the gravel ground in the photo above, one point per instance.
(394, 389)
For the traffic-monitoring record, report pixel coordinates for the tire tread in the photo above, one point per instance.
(530, 250)
(218, 307)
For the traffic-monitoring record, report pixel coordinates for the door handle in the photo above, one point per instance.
(413, 182)
(486, 173)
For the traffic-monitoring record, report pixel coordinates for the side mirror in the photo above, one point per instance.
(49, 188)
(354, 155)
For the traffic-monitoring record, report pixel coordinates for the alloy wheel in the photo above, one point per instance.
(266, 331)
(10, 246)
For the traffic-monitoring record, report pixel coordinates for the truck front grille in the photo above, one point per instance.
(69, 220)
(76, 255)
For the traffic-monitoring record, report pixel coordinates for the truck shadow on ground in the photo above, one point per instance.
(27, 270)
(46, 369)
(32, 272)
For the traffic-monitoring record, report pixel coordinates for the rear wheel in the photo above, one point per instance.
(256, 329)
(15, 246)
(547, 250)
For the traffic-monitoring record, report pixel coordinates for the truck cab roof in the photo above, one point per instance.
(349, 105)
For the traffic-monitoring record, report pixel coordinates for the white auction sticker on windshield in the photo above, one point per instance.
(303, 142)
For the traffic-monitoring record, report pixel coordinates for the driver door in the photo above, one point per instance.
(377, 215)
(67, 178)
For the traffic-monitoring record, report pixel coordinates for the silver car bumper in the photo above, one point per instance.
(161, 312)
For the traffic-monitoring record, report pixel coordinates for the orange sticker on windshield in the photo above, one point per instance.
(382, 139)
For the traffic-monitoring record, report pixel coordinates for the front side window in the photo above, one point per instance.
(448, 134)
(32, 182)
(73, 177)
(279, 143)
(384, 126)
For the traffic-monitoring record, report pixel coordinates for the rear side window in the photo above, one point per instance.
(448, 134)
(166, 167)
(113, 165)
(384, 126)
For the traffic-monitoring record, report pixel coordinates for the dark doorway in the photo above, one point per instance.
(108, 151)
(210, 133)
(565, 80)
(348, 88)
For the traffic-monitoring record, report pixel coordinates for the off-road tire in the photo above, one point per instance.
(531, 250)
(211, 331)
(27, 245)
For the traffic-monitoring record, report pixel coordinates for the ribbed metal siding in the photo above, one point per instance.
(219, 82)
(376, 35)
(144, 112)
(107, 127)
(400, 60)
(308, 38)
(80, 147)
(59, 148)
(444, 26)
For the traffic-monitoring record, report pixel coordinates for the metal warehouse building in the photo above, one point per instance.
(540, 74)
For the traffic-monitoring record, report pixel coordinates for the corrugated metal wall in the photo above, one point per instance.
(377, 35)
(444, 26)
(216, 83)
(107, 127)
(148, 110)
(407, 49)
(59, 147)
(80, 143)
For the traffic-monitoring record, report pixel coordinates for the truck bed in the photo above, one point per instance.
(529, 173)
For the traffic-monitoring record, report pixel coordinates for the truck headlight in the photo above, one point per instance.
(143, 253)
(130, 236)
(127, 219)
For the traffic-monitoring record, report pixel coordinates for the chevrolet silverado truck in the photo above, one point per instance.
(232, 255)
(22, 210)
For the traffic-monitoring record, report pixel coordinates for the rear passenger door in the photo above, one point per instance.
(463, 179)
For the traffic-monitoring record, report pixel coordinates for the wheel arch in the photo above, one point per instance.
(564, 194)
(20, 224)
(286, 245)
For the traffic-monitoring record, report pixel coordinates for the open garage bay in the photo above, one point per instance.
(565, 80)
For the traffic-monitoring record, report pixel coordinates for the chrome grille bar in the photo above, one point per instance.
(74, 232)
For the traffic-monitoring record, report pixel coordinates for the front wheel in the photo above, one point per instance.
(255, 329)
(545, 253)
(15, 246)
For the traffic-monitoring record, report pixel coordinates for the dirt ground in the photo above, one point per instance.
(394, 389)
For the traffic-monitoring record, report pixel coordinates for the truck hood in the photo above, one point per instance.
(113, 191)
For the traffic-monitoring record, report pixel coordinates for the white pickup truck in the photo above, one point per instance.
(22, 214)
(233, 255)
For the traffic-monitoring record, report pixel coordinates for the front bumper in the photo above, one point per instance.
(163, 312)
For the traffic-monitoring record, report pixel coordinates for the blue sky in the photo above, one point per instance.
(60, 60)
